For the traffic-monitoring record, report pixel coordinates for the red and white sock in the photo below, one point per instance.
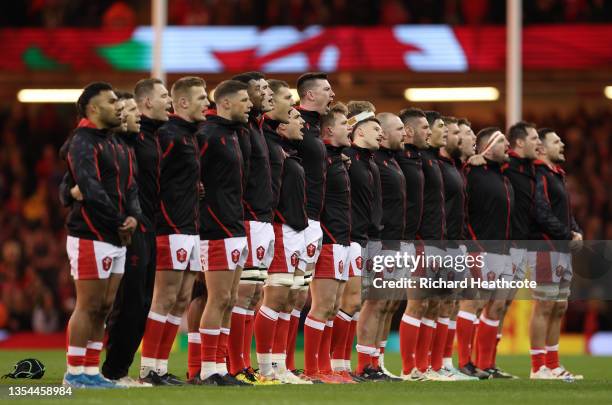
(294, 324)
(439, 343)
(193, 353)
(235, 344)
(426, 331)
(447, 360)
(265, 328)
(154, 331)
(221, 358)
(552, 357)
(350, 339)
(75, 360)
(475, 341)
(364, 357)
(165, 346)
(465, 330)
(538, 358)
(342, 325)
(92, 357)
(409, 335)
(313, 333)
(279, 347)
(487, 336)
(249, 325)
(208, 352)
(325, 348)
(374, 358)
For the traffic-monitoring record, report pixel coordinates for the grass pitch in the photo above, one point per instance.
(595, 389)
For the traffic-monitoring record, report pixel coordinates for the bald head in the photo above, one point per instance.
(393, 130)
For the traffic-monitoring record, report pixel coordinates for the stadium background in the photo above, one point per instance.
(368, 47)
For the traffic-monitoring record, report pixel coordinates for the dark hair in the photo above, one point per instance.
(464, 121)
(185, 83)
(329, 119)
(542, 132)
(276, 85)
(145, 86)
(305, 81)
(246, 77)
(409, 113)
(518, 131)
(227, 88)
(89, 92)
(484, 135)
(432, 116)
(123, 95)
(450, 120)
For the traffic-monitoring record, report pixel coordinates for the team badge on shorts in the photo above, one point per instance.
(260, 252)
(294, 259)
(559, 270)
(341, 266)
(181, 255)
(311, 249)
(369, 265)
(359, 262)
(235, 255)
(491, 276)
(107, 262)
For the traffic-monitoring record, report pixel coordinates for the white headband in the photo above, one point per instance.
(364, 115)
(492, 141)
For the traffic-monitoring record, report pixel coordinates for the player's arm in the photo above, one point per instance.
(544, 215)
(82, 161)
(133, 203)
(65, 196)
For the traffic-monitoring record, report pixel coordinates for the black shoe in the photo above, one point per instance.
(356, 377)
(214, 379)
(504, 373)
(387, 377)
(373, 375)
(473, 371)
(172, 380)
(495, 373)
(250, 375)
(154, 379)
(231, 380)
(196, 380)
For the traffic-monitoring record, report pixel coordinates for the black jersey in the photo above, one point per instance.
(454, 196)
(411, 164)
(336, 214)
(433, 223)
(393, 187)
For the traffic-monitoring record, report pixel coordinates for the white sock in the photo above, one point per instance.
(337, 364)
(161, 366)
(221, 369)
(208, 368)
(265, 364)
(447, 363)
(76, 351)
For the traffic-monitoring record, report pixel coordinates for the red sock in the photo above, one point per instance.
(538, 358)
(439, 342)
(487, 335)
(193, 354)
(235, 344)
(313, 333)
(208, 351)
(75, 359)
(342, 325)
(221, 356)
(423, 348)
(450, 339)
(324, 358)
(350, 338)
(154, 331)
(465, 329)
(249, 324)
(170, 330)
(552, 357)
(374, 357)
(92, 355)
(409, 335)
(281, 335)
(475, 341)
(265, 328)
(497, 340)
(364, 357)
(294, 324)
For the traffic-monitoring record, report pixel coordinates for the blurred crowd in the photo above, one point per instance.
(36, 290)
(128, 13)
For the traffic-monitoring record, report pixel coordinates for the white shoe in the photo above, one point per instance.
(436, 376)
(562, 374)
(287, 377)
(414, 375)
(543, 373)
(381, 363)
(458, 375)
(129, 382)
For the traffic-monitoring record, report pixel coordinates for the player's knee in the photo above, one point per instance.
(559, 309)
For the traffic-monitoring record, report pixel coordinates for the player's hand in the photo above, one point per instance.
(75, 192)
(125, 237)
(477, 160)
(129, 225)
(201, 190)
(576, 236)
(346, 160)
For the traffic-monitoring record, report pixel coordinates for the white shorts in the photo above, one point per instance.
(553, 274)
(461, 270)
(520, 263)
(408, 249)
(313, 236)
(224, 254)
(495, 267)
(357, 255)
(333, 262)
(94, 260)
(178, 252)
(260, 236)
(290, 246)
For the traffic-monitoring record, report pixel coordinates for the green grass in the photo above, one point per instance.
(595, 389)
